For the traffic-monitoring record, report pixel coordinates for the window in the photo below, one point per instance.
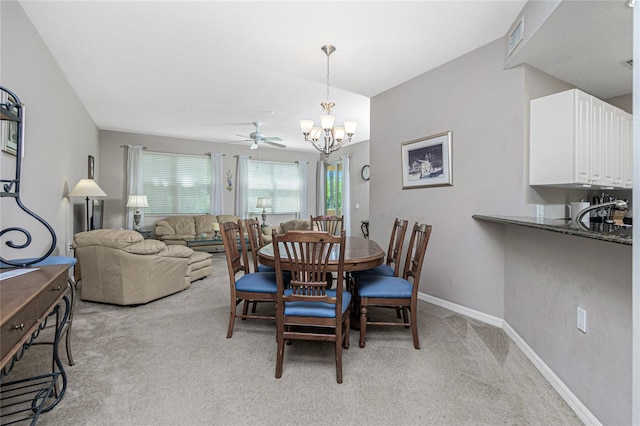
(333, 185)
(176, 183)
(280, 181)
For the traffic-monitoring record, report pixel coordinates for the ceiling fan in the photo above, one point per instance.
(257, 138)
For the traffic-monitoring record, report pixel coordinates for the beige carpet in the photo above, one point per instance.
(169, 363)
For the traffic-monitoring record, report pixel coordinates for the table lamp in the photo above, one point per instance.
(264, 202)
(87, 188)
(137, 201)
(216, 230)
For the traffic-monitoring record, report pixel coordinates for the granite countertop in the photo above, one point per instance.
(599, 231)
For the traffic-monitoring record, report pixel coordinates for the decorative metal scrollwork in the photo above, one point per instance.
(11, 109)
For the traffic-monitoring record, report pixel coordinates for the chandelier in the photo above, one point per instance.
(332, 137)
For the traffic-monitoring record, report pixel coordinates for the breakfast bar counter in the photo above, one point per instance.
(598, 231)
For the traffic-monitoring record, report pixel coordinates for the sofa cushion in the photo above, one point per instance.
(112, 238)
(204, 224)
(222, 218)
(296, 225)
(175, 225)
(145, 247)
(176, 251)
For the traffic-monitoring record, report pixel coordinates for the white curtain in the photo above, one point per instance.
(217, 184)
(302, 171)
(242, 187)
(135, 183)
(321, 203)
(346, 194)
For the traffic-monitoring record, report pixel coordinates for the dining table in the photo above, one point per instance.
(359, 254)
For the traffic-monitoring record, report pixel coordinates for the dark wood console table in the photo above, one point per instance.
(27, 302)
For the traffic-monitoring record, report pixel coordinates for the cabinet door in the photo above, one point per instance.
(617, 149)
(583, 138)
(626, 143)
(606, 145)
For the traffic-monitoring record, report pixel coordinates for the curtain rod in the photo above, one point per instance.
(206, 154)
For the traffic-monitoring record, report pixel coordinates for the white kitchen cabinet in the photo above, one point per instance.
(577, 140)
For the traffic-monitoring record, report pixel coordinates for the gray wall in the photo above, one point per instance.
(476, 265)
(482, 105)
(59, 136)
(113, 164)
(548, 276)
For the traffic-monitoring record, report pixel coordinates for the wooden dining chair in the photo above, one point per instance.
(391, 267)
(330, 224)
(244, 286)
(308, 309)
(256, 242)
(391, 291)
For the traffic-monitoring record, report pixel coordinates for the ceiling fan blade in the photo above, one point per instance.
(272, 138)
(242, 141)
(279, 145)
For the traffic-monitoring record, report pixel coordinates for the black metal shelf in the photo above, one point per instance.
(23, 400)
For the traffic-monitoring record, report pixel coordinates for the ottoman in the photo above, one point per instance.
(199, 265)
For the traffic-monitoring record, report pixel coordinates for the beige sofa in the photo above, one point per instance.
(122, 268)
(179, 229)
(290, 225)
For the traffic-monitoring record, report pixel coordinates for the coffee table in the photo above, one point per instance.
(208, 245)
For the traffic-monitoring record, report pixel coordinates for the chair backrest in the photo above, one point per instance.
(307, 255)
(395, 244)
(330, 224)
(233, 239)
(256, 242)
(415, 254)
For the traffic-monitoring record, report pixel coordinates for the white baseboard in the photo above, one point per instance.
(463, 310)
(565, 393)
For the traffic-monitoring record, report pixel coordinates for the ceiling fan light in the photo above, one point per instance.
(306, 126)
(327, 121)
(350, 127)
(254, 145)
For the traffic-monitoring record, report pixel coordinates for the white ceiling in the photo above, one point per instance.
(587, 44)
(205, 70)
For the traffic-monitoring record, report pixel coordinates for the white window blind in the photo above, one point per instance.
(280, 181)
(176, 183)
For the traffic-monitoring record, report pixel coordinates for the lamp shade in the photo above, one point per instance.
(137, 201)
(87, 188)
(216, 226)
(264, 202)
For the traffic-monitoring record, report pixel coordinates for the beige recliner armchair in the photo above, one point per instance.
(121, 267)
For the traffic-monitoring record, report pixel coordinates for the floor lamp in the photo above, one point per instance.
(87, 188)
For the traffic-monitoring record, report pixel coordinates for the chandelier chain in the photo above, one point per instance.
(328, 57)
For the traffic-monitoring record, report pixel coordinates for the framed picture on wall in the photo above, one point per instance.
(427, 161)
(91, 167)
(8, 129)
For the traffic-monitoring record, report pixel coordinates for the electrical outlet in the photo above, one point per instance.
(69, 247)
(582, 320)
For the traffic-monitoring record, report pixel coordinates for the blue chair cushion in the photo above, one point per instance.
(265, 268)
(380, 286)
(258, 282)
(51, 260)
(384, 270)
(316, 309)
